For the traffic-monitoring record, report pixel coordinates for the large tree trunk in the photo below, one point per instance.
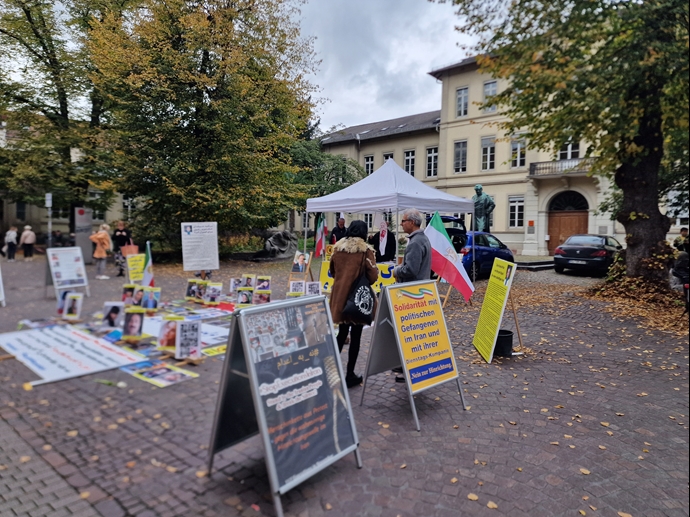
(645, 226)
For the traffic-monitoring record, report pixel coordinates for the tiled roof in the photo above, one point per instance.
(396, 126)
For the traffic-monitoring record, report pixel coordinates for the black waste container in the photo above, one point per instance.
(504, 344)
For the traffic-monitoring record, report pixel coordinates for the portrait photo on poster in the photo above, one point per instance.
(138, 296)
(128, 294)
(113, 315)
(134, 321)
(300, 263)
(263, 283)
(261, 297)
(167, 335)
(248, 281)
(245, 296)
(152, 297)
(73, 304)
(61, 300)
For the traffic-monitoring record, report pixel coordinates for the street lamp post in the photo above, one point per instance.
(49, 207)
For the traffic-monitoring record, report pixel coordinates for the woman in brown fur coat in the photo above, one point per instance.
(351, 257)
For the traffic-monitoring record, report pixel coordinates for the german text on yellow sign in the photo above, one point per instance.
(426, 350)
(385, 277)
(135, 267)
(492, 308)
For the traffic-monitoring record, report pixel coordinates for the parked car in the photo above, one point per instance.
(486, 248)
(593, 253)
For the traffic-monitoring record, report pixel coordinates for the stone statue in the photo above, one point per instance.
(483, 206)
(279, 246)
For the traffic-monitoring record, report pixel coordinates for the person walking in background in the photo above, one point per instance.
(122, 236)
(681, 242)
(11, 243)
(27, 241)
(351, 257)
(103, 245)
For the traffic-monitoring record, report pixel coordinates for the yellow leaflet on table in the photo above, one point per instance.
(492, 308)
(422, 334)
(213, 351)
(385, 277)
(135, 267)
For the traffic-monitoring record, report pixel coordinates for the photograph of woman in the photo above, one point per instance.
(167, 334)
(113, 313)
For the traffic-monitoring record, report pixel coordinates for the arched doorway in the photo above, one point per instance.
(568, 215)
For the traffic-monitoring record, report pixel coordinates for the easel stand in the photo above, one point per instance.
(409, 324)
(517, 325)
(294, 277)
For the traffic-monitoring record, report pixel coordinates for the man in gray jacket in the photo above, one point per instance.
(417, 259)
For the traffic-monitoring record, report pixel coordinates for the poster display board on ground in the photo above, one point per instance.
(410, 331)
(63, 352)
(200, 246)
(67, 268)
(282, 378)
(385, 276)
(494, 305)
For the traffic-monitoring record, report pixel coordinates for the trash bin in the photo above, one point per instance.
(504, 344)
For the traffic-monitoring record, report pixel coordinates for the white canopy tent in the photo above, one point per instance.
(390, 188)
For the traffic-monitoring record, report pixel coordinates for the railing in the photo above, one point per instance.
(560, 167)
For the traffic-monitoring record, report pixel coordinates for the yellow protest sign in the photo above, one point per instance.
(493, 306)
(385, 277)
(135, 267)
(427, 355)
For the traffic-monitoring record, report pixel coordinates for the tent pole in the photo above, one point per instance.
(306, 227)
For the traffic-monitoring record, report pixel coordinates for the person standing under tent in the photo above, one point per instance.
(338, 232)
(351, 257)
(103, 245)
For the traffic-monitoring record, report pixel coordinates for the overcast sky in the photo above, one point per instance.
(376, 55)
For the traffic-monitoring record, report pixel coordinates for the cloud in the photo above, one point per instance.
(376, 56)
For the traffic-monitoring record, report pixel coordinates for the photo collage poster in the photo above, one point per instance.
(262, 291)
(245, 291)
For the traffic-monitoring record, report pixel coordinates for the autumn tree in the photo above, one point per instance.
(208, 99)
(611, 73)
(50, 108)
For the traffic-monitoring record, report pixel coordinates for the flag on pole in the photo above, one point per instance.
(445, 261)
(321, 233)
(148, 267)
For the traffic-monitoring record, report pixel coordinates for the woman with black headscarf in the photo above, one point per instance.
(351, 257)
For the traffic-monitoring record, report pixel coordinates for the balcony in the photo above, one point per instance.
(559, 168)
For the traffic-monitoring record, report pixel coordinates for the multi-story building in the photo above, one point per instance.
(541, 197)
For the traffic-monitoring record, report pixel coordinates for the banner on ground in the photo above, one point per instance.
(200, 246)
(67, 267)
(494, 305)
(63, 352)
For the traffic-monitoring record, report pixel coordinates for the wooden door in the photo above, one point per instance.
(563, 224)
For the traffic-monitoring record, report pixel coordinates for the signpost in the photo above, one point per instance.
(282, 379)
(67, 269)
(497, 292)
(199, 246)
(410, 331)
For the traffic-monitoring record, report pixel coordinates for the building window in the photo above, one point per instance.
(387, 156)
(21, 210)
(569, 151)
(460, 154)
(98, 215)
(517, 153)
(369, 219)
(59, 213)
(432, 162)
(488, 153)
(490, 89)
(368, 164)
(463, 102)
(305, 220)
(409, 162)
(516, 211)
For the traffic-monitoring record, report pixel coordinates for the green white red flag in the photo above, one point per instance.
(321, 233)
(445, 261)
(148, 267)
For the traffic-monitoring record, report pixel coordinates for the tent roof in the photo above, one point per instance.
(390, 188)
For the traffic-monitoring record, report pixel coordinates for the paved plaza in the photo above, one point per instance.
(591, 420)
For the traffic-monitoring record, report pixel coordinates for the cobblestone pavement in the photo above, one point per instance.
(593, 418)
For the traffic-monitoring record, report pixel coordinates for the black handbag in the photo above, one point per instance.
(359, 307)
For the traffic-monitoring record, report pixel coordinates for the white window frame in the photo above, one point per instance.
(518, 154)
(569, 150)
(490, 90)
(462, 102)
(459, 165)
(369, 164)
(516, 211)
(369, 220)
(409, 161)
(432, 162)
(488, 154)
(97, 214)
(20, 210)
(387, 156)
(305, 220)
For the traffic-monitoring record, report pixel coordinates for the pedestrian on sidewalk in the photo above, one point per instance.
(27, 241)
(122, 236)
(351, 256)
(11, 243)
(104, 245)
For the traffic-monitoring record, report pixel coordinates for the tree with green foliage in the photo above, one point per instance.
(208, 100)
(50, 108)
(611, 73)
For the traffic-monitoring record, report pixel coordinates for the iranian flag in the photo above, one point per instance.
(445, 261)
(148, 267)
(321, 233)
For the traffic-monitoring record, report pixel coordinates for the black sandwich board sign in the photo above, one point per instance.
(282, 379)
(410, 332)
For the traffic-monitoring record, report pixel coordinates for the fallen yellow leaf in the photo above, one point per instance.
(24, 459)
(72, 433)
(27, 386)
(602, 447)
(605, 424)
(472, 497)
(582, 512)
(328, 506)
(643, 394)
(404, 465)
(519, 469)
(623, 514)
(454, 480)
(491, 505)
(201, 473)
(585, 472)
(553, 443)
(85, 495)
